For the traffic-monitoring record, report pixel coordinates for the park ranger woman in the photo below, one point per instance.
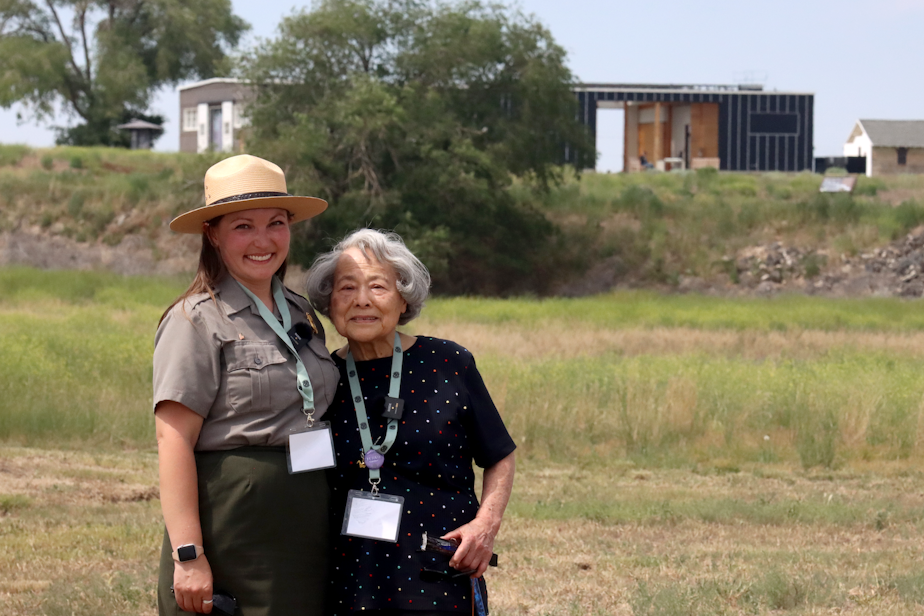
(241, 380)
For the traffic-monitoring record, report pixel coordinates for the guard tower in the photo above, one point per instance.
(143, 133)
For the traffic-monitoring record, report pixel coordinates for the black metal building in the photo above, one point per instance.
(739, 127)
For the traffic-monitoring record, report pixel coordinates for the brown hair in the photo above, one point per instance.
(211, 271)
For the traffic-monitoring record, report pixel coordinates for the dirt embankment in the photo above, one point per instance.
(894, 270)
(134, 255)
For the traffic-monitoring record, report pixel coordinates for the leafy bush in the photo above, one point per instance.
(461, 98)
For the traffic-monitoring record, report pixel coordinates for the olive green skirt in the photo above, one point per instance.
(264, 531)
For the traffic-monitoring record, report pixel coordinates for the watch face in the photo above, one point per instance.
(186, 552)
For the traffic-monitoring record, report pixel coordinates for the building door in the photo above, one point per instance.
(215, 128)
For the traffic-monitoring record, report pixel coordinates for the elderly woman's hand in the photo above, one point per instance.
(476, 539)
(476, 544)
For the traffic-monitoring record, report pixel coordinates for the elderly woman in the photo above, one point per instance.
(240, 374)
(409, 416)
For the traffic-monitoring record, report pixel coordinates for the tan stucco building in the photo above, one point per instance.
(890, 146)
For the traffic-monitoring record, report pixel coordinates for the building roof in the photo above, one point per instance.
(742, 88)
(895, 133)
(208, 82)
(137, 124)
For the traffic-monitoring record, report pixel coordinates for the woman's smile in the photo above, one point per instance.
(261, 258)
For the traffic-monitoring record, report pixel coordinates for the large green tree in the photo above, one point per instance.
(103, 60)
(417, 116)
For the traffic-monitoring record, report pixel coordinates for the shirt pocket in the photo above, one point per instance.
(253, 368)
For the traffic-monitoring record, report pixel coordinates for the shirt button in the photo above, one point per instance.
(257, 361)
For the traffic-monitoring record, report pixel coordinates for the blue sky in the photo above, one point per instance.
(859, 58)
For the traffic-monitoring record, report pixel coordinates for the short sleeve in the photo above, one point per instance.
(187, 361)
(488, 437)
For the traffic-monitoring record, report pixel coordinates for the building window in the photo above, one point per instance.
(190, 120)
(902, 156)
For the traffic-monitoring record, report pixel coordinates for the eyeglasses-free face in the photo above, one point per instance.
(253, 244)
(365, 304)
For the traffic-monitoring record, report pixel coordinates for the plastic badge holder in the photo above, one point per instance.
(311, 449)
(372, 517)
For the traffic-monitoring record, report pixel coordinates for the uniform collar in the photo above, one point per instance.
(234, 299)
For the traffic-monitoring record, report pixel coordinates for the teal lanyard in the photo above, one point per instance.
(304, 383)
(394, 390)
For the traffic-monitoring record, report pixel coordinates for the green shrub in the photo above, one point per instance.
(909, 215)
(779, 191)
(48, 162)
(705, 177)
(139, 186)
(11, 503)
(12, 154)
(869, 187)
(816, 437)
(812, 264)
(76, 162)
(99, 218)
(75, 203)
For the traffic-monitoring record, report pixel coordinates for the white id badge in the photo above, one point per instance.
(311, 449)
(372, 517)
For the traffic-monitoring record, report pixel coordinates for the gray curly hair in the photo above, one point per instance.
(388, 248)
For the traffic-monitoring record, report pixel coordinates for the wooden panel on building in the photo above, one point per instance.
(648, 145)
(704, 130)
(646, 141)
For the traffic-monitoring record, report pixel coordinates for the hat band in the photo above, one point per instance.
(245, 196)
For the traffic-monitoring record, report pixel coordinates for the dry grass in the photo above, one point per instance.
(802, 544)
(718, 517)
(669, 396)
(81, 531)
(575, 340)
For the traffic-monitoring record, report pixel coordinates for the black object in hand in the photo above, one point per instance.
(223, 603)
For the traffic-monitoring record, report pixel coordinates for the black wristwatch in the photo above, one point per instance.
(188, 552)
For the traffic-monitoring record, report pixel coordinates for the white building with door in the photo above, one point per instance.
(890, 146)
(211, 115)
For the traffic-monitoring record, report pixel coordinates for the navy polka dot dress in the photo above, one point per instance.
(449, 421)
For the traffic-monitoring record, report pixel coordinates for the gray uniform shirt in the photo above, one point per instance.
(225, 363)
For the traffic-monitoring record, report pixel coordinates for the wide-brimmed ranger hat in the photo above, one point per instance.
(245, 182)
